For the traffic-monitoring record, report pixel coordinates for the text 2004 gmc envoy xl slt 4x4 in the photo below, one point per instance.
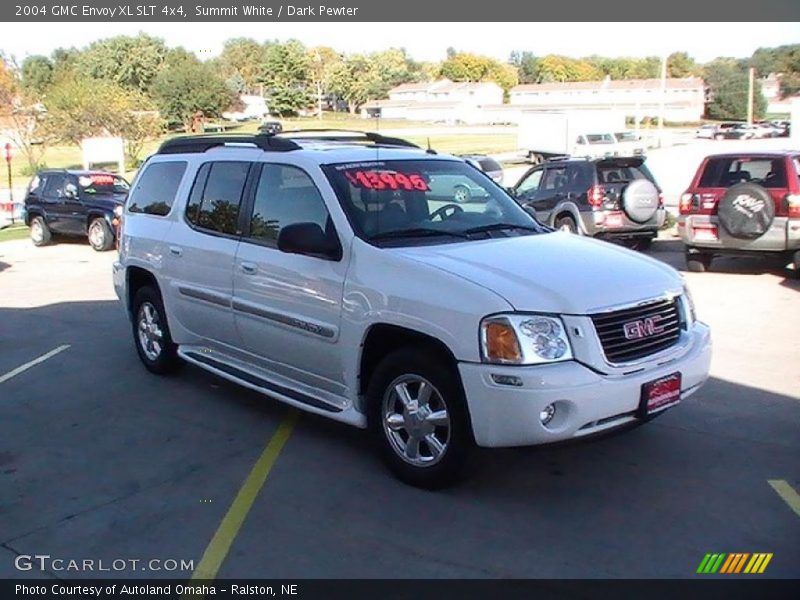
(336, 272)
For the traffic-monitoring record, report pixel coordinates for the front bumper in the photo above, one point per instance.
(586, 401)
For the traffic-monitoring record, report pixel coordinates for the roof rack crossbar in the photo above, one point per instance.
(201, 143)
(344, 135)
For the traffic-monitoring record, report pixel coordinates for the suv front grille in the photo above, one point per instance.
(634, 333)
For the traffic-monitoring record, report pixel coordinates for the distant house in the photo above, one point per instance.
(771, 89)
(443, 100)
(252, 107)
(683, 98)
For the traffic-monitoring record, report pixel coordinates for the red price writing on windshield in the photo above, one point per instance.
(385, 180)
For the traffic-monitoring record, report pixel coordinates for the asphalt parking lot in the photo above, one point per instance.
(101, 460)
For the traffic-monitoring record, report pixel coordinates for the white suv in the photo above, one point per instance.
(337, 273)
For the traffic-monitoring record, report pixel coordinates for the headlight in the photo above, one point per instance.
(524, 340)
(118, 211)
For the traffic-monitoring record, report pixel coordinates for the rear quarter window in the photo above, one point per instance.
(155, 189)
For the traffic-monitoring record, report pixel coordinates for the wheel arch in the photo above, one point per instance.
(135, 279)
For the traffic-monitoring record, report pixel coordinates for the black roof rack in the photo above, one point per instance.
(343, 135)
(201, 143)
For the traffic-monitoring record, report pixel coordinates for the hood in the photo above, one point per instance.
(554, 272)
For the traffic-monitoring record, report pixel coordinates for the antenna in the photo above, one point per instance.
(430, 150)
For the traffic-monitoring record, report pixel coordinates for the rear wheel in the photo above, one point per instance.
(461, 194)
(698, 262)
(566, 223)
(154, 344)
(40, 232)
(101, 238)
(418, 418)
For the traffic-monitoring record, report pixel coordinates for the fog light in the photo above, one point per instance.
(547, 414)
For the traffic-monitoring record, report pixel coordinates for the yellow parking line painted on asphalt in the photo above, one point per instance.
(785, 491)
(33, 363)
(229, 527)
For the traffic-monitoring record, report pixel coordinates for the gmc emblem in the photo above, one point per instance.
(642, 328)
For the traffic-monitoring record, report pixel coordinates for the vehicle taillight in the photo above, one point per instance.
(793, 206)
(688, 204)
(660, 200)
(596, 195)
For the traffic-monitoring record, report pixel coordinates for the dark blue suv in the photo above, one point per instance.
(75, 203)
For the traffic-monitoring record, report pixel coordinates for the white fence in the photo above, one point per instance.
(12, 212)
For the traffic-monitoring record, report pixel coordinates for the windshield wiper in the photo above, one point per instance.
(415, 232)
(499, 227)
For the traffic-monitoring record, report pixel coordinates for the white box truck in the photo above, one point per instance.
(545, 134)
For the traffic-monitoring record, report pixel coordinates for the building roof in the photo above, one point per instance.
(442, 86)
(673, 83)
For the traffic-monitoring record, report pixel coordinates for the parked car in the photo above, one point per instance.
(782, 127)
(612, 198)
(270, 127)
(487, 164)
(742, 204)
(322, 273)
(735, 131)
(75, 203)
(629, 143)
(706, 131)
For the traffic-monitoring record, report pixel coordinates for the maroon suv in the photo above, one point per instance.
(743, 203)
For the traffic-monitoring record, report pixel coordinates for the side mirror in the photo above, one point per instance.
(308, 239)
(71, 191)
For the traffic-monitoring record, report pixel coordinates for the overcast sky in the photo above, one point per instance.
(428, 41)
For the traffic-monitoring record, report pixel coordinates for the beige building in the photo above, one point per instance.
(444, 100)
(684, 98)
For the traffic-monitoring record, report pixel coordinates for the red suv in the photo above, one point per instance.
(742, 203)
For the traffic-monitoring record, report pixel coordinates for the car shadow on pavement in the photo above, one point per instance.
(670, 251)
(3, 266)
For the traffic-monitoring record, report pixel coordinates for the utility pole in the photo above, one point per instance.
(750, 96)
(10, 182)
(662, 100)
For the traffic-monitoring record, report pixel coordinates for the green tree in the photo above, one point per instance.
(22, 113)
(37, 74)
(680, 64)
(186, 86)
(131, 62)
(352, 80)
(527, 66)
(728, 84)
(286, 74)
(242, 59)
(465, 66)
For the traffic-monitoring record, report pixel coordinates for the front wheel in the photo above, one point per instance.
(418, 418)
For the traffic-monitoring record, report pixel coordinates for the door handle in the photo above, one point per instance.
(176, 250)
(248, 267)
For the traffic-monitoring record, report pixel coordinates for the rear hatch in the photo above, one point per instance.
(614, 175)
(722, 172)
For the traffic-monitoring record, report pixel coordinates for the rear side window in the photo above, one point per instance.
(217, 195)
(54, 185)
(285, 195)
(723, 172)
(155, 189)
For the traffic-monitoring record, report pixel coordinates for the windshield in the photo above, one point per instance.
(625, 136)
(439, 200)
(102, 183)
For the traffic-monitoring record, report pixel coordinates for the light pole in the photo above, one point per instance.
(10, 191)
(318, 60)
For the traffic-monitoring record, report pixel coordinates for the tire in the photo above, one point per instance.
(796, 265)
(101, 238)
(719, 137)
(746, 211)
(39, 231)
(162, 359)
(566, 223)
(426, 464)
(461, 194)
(698, 262)
(640, 200)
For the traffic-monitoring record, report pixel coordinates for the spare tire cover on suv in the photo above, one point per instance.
(640, 200)
(746, 211)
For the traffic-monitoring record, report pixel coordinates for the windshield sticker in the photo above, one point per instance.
(381, 180)
(361, 165)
